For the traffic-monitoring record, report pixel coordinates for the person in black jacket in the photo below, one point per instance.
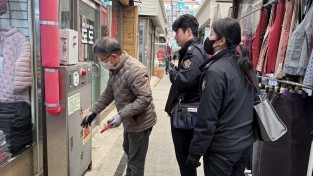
(223, 131)
(185, 81)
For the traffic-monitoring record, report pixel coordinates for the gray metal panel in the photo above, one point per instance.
(79, 153)
(57, 144)
(66, 153)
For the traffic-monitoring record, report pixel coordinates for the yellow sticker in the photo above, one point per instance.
(86, 132)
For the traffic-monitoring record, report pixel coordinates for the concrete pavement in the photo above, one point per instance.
(108, 157)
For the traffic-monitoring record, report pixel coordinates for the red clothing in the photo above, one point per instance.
(284, 39)
(274, 36)
(258, 36)
(265, 44)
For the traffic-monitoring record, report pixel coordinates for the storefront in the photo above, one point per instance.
(146, 43)
(21, 128)
(151, 25)
(29, 132)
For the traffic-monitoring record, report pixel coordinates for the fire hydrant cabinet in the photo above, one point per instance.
(68, 144)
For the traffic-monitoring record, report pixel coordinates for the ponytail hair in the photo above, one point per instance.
(245, 64)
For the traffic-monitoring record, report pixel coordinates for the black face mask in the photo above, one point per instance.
(208, 46)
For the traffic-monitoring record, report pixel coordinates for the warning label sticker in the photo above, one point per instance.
(73, 103)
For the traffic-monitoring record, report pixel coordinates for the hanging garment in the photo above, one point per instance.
(258, 36)
(308, 78)
(289, 155)
(274, 36)
(299, 47)
(3, 7)
(16, 76)
(264, 48)
(284, 39)
(246, 27)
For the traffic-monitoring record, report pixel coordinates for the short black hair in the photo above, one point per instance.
(186, 21)
(107, 46)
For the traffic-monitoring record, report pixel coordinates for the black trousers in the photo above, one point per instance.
(136, 146)
(226, 164)
(181, 140)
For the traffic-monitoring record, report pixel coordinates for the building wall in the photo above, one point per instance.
(148, 7)
(130, 30)
(207, 10)
(161, 15)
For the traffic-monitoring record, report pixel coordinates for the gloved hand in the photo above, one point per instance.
(193, 161)
(115, 121)
(88, 119)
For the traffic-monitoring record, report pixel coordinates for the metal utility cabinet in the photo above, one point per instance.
(68, 144)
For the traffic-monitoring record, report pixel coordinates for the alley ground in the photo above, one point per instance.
(108, 157)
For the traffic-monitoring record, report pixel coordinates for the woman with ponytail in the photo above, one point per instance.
(223, 132)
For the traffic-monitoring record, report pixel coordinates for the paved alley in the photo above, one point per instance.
(107, 153)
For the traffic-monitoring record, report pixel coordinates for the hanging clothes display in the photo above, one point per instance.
(16, 75)
(286, 48)
(258, 36)
(308, 78)
(284, 39)
(299, 47)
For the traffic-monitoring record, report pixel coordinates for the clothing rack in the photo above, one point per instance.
(256, 10)
(287, 82)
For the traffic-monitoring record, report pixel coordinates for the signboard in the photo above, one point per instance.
(73, 103)
(87, 33)
(180, 5)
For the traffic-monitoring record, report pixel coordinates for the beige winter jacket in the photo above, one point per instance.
(129, 86)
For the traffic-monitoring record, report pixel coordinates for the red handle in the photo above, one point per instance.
(106, 128)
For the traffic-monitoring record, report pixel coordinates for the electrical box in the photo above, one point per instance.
(68, 46)
(68, 144)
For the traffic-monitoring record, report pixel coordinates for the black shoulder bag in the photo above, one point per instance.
(185, 114)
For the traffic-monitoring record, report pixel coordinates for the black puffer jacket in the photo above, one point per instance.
(225, 114)
(185, 79)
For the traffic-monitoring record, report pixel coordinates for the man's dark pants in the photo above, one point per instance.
(182, 139)
(136, 146)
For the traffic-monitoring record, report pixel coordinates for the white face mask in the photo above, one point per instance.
(107, 65)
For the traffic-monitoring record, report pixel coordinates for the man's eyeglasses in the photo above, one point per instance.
(106, 59)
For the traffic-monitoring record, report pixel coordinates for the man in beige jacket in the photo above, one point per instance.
(129, 86)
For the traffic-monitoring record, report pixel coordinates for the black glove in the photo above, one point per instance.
(88, 119)
(193, 161)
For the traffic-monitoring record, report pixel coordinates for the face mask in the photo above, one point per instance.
(208, 46)
(107, 65)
